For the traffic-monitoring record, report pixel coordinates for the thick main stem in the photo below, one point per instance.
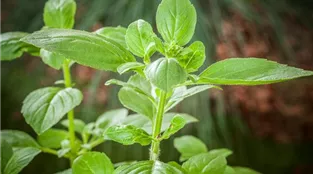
(157, 124)
(70, 114)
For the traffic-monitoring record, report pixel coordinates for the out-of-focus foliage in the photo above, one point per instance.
(228, 28)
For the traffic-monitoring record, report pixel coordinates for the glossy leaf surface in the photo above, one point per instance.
(176, 21)
(93, 163)
(83, 47)
(45, 107)
(249, 71)
(165, 73)
(59, 13)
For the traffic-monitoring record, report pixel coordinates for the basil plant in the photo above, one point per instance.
(163, 73)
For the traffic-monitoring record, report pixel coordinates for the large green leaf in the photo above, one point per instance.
(148, 167)
(45, 107)
(93, 163)
(83, 47)
(136, 101)
(59, 13)
(68, 171)
(18, 138)
(21, 158)
(130, 66)
(176, 21)
(115, 33)
(52, 138)
(193, 56)
(249, 71)
(12, 47)
(165, 73)
(189, 146)
(139, 38)
(206, 163)
(52, 59)
(6, 153)
(128, 134)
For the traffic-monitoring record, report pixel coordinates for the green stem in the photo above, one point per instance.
(70, 114)
(157, 124)
(51, 151)
(92, 145)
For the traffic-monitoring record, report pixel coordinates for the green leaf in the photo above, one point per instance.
(245, 170)
(130, 66)
(93, 163)
(68, 171)
(141, 83)
(62, 152)
(83, 47)
(21, 158)
(52, 138)
(165, 73)
(79, 124)
(181, 93)
(229, 170)
(189, 146)
(136, 101)
(114, 33)
(205, 163)
(159, 45)
(151, 167)
(110, 118)
(45, 107)
(52, 59)
(18, 138)
(166, 121)
(194, 57)
(249, 71)
(12, 47)
(177, 123)
(176, 21)
(6, 153)
(139, 38)
(136, 120)
(128, 134)
(59, 13)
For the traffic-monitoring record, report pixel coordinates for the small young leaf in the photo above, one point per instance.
(12, 47)
(53, 60)
(6, 153)
(52, 138)
(130, 66)
(153, 167)
(111, 118)
(205, 163)
(189, 146)
(114, 33)
(83, 47)
(177, 123)
(159, 45)
(195, 58)
(136, 120)
(21, 158)
(18, 138)
(93, 163)
(141, 83)
(45, 107)
(62, 152)
(244, 170)
(182, 92)
(59, 13)
(128, 134)
(166, 122)
(165, 73)
(79, 124)
(139, 36)
(249, 71)
(176, 21)
(136, 101)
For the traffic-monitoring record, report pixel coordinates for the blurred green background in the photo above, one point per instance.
(269, 128)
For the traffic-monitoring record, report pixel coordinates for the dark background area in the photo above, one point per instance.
(269, 128)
